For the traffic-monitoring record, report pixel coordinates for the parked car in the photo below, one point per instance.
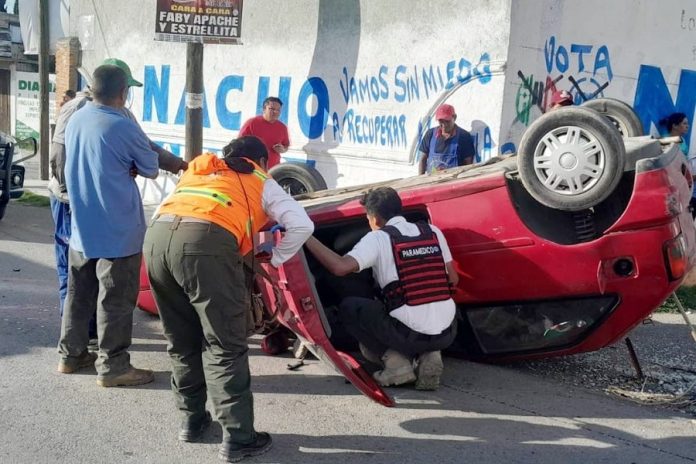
(11, 172)
(561, 249)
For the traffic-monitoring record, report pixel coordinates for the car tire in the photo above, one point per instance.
(571, 159)
(619, 113)
(297, 179)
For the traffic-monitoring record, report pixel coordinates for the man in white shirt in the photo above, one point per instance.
(413, 266)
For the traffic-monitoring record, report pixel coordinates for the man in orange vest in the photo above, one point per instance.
(193, 251)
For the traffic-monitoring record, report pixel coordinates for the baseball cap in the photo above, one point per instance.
(122, 64)
(445, 112)
(561, 97)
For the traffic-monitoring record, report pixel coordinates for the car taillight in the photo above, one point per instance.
(676, 260)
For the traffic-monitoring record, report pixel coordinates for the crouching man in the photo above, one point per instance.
(413, 266)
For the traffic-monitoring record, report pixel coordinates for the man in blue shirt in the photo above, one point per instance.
(447, 145)
(103, 151)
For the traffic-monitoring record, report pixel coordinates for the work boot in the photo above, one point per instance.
(369, 355)
(235, 452)
(129, 378)
(429, 370)
(398, 370)
(70, 365)
(193, 427)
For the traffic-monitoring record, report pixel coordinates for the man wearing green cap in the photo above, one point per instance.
(60, 207)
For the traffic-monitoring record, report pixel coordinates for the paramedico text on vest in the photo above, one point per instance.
(420, 267)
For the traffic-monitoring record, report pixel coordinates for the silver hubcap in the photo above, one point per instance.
(569, 160)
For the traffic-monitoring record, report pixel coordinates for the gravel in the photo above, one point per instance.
(667, 355)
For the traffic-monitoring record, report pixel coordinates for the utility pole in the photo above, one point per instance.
(43, 88)
(194, 100)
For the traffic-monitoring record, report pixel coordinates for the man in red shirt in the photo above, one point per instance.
(272, 132)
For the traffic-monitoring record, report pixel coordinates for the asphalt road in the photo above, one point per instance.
(482, 413)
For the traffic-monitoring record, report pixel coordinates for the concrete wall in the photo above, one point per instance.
(639, 51)
(358, 77)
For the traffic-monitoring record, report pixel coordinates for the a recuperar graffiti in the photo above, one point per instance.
(352, 124)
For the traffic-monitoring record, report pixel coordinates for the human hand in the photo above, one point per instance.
(280, 148)
(264, 251)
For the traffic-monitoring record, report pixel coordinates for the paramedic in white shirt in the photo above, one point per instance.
(391, 332)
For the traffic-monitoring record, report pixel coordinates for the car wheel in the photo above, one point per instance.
(619, 113)
(571, 159)
(297, 179)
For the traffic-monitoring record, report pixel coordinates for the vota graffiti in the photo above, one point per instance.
(558, 58)
(653, 100)
(392, 86)
(582, 69)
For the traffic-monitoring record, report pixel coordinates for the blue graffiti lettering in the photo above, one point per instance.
(336, 127)
(562, 60)
(557, 57)
(400, 84)
(157, 92)
(508, 148)
(602, 61)
(429, 81)
(653, 100)
(383, 70)
(580, 49)
(313, 126)
(465, 65)
(228, 119)
(375, 130)
(483, 69)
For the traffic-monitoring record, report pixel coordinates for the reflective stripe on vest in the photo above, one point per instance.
(211, 194)
(420, 267)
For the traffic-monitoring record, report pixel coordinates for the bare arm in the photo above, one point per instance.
(336, 264)
(423, 159)
(168, 160)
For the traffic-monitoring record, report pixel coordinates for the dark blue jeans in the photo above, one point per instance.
(61, 237)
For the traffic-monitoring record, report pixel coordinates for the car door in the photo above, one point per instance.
(290, 295)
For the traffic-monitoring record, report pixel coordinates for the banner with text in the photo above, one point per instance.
(28, 103)
(204, 21)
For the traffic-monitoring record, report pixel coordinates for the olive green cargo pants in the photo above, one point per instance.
(197, 279)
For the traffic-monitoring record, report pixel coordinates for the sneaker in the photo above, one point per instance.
(192, 429)
(93, 344)
(398, 370)
(129, 378)
(234, 452)
(429, 370)
(70, 365)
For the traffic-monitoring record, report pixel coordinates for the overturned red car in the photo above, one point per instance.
(560, 249)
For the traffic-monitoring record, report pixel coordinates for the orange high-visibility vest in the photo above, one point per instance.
(211, 191)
